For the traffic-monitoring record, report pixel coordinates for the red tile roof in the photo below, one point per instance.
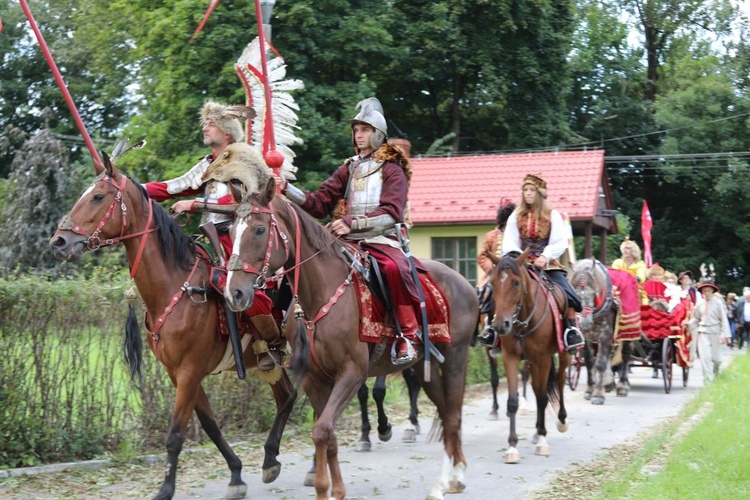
(468, 189)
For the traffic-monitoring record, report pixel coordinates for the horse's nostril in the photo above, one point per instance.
(58, 242)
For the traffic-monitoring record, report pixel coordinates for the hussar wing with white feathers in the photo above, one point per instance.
(283, 108)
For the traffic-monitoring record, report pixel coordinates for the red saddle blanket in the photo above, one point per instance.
(372, 327)
(625, 292)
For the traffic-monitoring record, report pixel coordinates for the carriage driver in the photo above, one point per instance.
(373, 185)
(535, 224)
(222, 132)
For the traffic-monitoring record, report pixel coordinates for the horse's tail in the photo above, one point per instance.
(300, 351)
(133, 346)
(553, 393)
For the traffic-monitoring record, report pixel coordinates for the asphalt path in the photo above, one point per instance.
(397, 471)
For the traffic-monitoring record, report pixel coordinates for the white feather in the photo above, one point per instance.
(283, 105)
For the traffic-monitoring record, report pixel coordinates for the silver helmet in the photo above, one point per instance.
(371, 113)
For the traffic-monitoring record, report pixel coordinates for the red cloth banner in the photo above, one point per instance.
(646, 225)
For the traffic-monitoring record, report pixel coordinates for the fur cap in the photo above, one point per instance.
(227, 118)
(537, 182)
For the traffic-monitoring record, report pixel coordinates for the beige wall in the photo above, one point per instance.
(421, 237)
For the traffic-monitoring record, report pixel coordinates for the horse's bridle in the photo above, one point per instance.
(235, 263)
(521, 328)
(596, 313)
(93, 242)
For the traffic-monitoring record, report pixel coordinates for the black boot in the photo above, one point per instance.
(573, 336)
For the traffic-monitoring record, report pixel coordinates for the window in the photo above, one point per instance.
(458, 253)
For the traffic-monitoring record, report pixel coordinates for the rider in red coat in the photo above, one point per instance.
(373, 186)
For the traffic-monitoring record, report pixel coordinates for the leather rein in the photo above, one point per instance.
(521, 328)
(236, 263)
(94, 242)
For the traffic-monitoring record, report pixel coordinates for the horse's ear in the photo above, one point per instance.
(525, 255)
(236, 192)
(270, 192)
(108, 167)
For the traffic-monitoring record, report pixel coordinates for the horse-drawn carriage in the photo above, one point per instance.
(614, 316)
(664, 341)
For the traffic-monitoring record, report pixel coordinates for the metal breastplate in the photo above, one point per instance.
(213, 191)
(365, 187)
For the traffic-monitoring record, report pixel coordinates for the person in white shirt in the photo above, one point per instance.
(534, 224)
(710, 322)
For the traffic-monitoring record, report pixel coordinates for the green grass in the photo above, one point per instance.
(709, 461)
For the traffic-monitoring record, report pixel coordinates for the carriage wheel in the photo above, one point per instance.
(685, 373)
(574, 370)
(667, 354)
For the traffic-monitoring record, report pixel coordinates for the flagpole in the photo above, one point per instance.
(61, 83)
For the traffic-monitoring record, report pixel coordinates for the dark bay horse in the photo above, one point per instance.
(592, 284)
(526, 325)
(270, 233)
(183, 328)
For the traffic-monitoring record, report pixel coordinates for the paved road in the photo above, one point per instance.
(398, 471)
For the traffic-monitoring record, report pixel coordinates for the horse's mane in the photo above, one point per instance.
(317, 234)
(509, 262)
(176, 247)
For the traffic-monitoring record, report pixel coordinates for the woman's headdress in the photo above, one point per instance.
(537, 182)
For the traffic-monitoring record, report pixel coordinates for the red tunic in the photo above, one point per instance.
(392, 261)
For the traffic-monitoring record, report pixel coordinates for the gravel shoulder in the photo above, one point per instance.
(599, 440)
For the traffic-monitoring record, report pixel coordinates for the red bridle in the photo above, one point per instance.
(245, 212)
(93, 241)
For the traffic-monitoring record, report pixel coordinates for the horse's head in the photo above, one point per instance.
(97, 218)
(510, 283)
(260, 247)
(584, 282)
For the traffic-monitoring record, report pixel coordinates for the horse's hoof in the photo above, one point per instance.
(270, 474)
(410, 436)
(387, 435)
(512, 456)
(535, 439)
(435, 494)
(542, 451)
(239, 490)
(562, 427)
(587, 395)
(456, 486)
(597, 400)
(416, 429)
(309, 479)
(609, 387)
(622, 393)
(363, 446)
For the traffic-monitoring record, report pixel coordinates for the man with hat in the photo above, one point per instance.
(230, 161)
(709, 320)
(367, 197)
(534, 224)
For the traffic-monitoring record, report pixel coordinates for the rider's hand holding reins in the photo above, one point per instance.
(540, 262)
(339, 227)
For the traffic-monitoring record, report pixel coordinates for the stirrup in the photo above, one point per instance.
(411, 353)
(488, 337)
(574, 345)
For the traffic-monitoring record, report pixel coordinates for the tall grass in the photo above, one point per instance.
(710, 460)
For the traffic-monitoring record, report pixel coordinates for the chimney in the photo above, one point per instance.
(403, 144)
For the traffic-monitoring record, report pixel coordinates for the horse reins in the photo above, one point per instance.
(524, 325)
(93, 240)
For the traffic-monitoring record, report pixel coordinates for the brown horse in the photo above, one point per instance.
(526, 325)
(328, 350)
(161, 257)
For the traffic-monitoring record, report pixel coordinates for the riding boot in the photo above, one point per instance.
(489, 337)
(270, 347)
(403, 352)
(573, 337)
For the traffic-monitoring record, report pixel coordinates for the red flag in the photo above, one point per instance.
(646, 225)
